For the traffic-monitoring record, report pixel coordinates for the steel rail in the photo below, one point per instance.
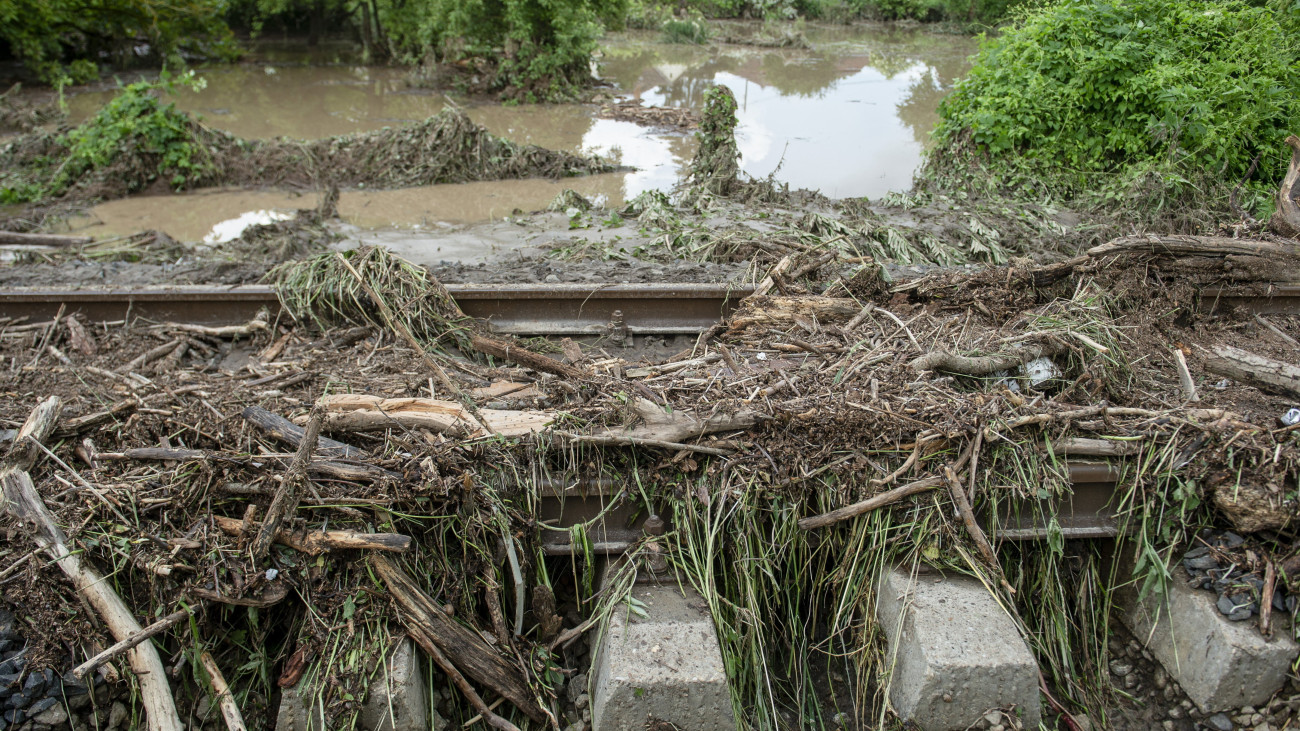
(530, 309)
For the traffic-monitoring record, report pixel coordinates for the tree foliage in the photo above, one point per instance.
(530, 49)
(64, 39)
(1094, 94)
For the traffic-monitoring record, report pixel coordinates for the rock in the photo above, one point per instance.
(117, 716)
(1120, 668)
(1204, 563)
(55, 716)
(1219, 722)
(993, 718)
(41, 706)
(1251, 508)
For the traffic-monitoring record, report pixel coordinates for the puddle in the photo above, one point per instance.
(231, 228)
(850, 118)
(198, 216)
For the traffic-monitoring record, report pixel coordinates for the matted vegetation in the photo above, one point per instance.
(819, 400)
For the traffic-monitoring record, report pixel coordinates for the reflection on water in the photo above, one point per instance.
(850, 118)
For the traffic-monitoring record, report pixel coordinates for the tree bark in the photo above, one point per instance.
(1286, 219)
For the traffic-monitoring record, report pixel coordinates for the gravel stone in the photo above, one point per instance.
(1219, 722)
(41, 706)
(1120, 668)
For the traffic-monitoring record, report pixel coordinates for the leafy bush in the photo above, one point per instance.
(46, 34)
(1110, 98)
(531, 49)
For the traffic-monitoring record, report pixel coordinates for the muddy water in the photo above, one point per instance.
(850, 117)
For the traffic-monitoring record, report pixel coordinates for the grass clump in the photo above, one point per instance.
(1146, 104)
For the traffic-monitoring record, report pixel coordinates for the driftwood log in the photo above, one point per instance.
(464, 647)
(981, 365)
(24, 503)
(314, 543)
(1255, 370)
(1286, 219)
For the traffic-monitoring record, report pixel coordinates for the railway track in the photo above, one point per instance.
(619, 311)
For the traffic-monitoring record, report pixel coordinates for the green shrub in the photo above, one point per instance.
(1108, 99)
(46, 34)
(692, 30)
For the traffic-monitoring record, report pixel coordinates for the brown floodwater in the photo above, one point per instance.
(851, 117)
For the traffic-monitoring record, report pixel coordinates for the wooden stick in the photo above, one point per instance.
(526, 358)
(338, 470)
(618, 441)
(286, 497)
(871, 503)
(426, 642)
(14, 238)
(24, 503)
(286, 431)
(1185, 376)
(973, 527)
(221, 691)
(454, 640)
(1096, 447)
(315, 543)
(1266, 600)
(113, 651)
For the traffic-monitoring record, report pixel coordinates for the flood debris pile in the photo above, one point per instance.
(138, 143)
(285, 500)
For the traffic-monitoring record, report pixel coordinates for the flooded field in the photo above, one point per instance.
(850, 117)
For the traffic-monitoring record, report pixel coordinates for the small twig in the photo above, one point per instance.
(1277, 331)
(974, 529)
(161, 625)
(871, 503)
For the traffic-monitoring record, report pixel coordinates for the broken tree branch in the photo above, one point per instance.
(981, 365)
(116, 649)
(461, 645)
(315, 543)
(871, 503)
(221, 692)
(286, 497)
(1286, 219)
(973, 528)
(24, 503)
(286, 431)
